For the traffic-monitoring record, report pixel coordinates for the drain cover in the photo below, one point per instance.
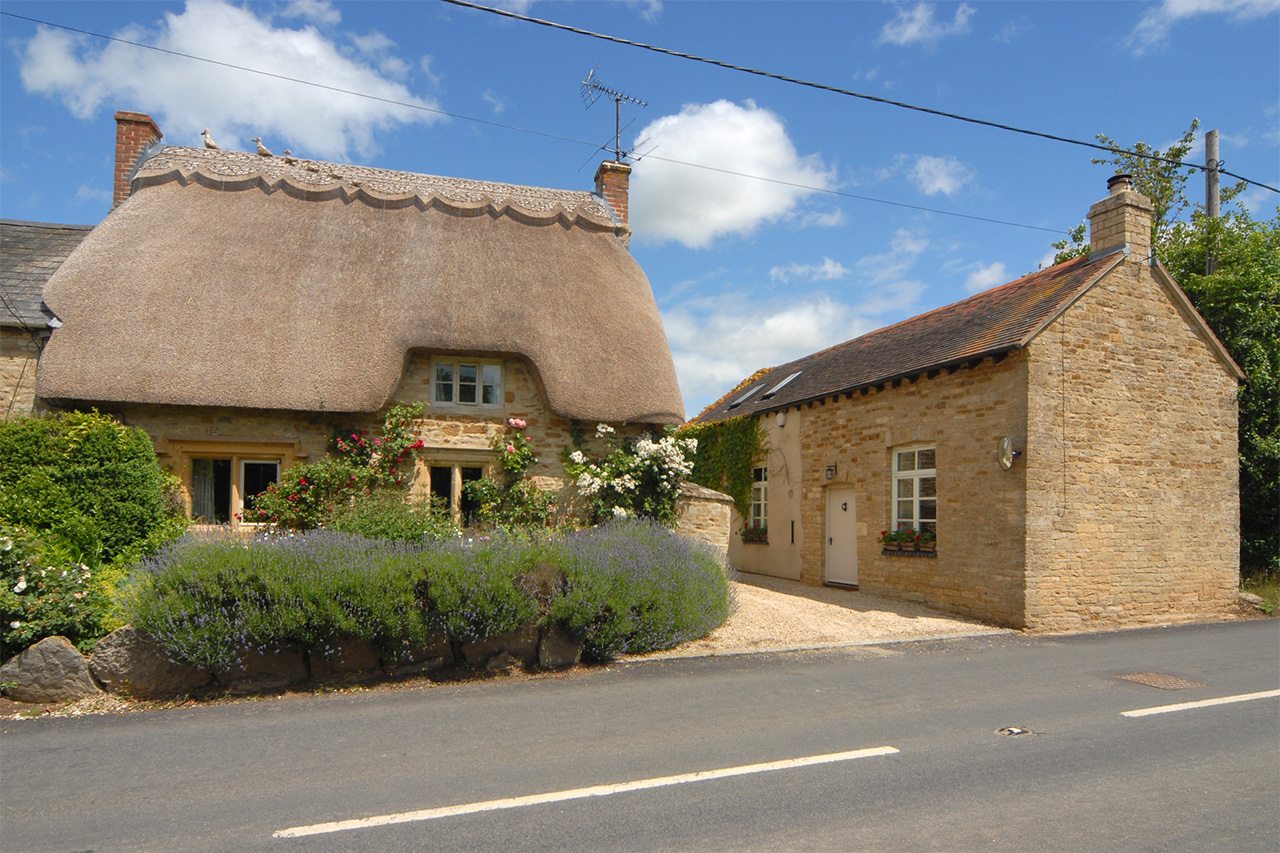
(1013, 731)
(1159, 679)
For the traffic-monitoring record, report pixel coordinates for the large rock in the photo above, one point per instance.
(50, 671)
(348, 656)
(521, 644)
(558, 648)
(129, 662)
(434, 654)
(266, 670)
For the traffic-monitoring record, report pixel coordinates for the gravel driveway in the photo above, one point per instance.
(773, 614)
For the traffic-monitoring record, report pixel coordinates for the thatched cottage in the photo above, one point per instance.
(239, 308)
(1068, 437)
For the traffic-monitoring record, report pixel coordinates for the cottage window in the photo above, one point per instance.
(467, 383)
(222, 488)
(915, 489)
(448, 485)
(760, 498)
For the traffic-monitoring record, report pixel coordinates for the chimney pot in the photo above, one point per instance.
(135, 133)
(1119, 183)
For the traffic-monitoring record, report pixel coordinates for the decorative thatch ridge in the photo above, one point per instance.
(317, 180)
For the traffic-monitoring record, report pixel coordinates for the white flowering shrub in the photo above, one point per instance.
(635, 478)
(42, 597)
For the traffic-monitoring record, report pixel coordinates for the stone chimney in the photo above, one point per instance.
(135, 133)
(613, 181)
(1121, 219)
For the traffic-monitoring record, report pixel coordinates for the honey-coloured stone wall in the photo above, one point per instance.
(18, 357)
(1132, 489)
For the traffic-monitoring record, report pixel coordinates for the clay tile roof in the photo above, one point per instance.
(992, 322)
(229, 279)
(30, 252)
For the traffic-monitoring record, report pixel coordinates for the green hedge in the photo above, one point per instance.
(628, 587)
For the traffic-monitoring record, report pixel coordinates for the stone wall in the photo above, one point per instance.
(704, 515)
(1133, 501)
(978, 567)
(18, 356)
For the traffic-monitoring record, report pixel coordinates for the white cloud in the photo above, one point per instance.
(824, 270)
(316, 11)
(495, 103)
(186, 96)
(717, 341)
(650, 10)
(986, 277)
(832, 218)
(916, 25)
(694, 206)
(940, 175)
(96, 195)
(1153, 28)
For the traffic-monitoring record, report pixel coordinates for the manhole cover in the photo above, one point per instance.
(1161, 680)
(1014, 731)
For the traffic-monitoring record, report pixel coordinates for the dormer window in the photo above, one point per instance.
(467, 383)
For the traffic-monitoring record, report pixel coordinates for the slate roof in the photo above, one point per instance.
(30, 252)
(995, 321)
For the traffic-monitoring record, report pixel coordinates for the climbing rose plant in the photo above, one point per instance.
(308, 493)
(638, 477)
(511, 500)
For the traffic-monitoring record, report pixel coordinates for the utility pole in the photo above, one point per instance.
(1212, 196)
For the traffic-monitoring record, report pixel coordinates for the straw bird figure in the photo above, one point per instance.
(208, 140)
(263, 151)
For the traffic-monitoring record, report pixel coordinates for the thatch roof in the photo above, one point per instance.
(227, 279)
(30, 252)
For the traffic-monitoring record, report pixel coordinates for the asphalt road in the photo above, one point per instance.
(231, 777)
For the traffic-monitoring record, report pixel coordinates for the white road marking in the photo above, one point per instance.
(579, 793)
(1203, 703)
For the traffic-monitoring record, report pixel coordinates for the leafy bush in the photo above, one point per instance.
(388, 515)
(628, 587)
(636, 478)
(633, 586)
(38, 600)
(88, 487)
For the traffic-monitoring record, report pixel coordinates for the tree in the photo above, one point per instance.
(1241, 303)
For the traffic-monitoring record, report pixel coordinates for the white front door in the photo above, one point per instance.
(842, 538)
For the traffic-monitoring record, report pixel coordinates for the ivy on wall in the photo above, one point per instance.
(727, 451)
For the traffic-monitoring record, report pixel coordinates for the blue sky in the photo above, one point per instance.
(747, 273)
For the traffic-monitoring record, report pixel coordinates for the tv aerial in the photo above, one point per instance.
(591, 91)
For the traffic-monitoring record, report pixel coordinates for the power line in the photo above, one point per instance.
(847, 92)
(544, 134)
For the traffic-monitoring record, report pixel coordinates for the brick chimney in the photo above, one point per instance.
(613, 181)
(135, 133)
(1121, 219)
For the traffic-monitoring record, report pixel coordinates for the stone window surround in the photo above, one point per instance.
(457, 460)
(454, 404)
(181, 452)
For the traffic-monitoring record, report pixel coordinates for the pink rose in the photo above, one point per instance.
(511, 448)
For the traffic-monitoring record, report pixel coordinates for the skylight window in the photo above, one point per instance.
(783, 384)
(738, 402)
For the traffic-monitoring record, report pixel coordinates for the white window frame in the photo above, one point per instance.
(456, 364)
(914, 476)
(759, 498)
(236, 496)
(238, 487)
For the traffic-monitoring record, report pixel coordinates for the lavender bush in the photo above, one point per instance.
(632, 586)
(628, 587)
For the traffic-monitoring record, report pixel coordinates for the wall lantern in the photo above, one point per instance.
(782, 419)
(1005, 454)
(831, 471)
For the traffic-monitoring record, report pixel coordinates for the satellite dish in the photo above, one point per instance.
(1005, 454)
